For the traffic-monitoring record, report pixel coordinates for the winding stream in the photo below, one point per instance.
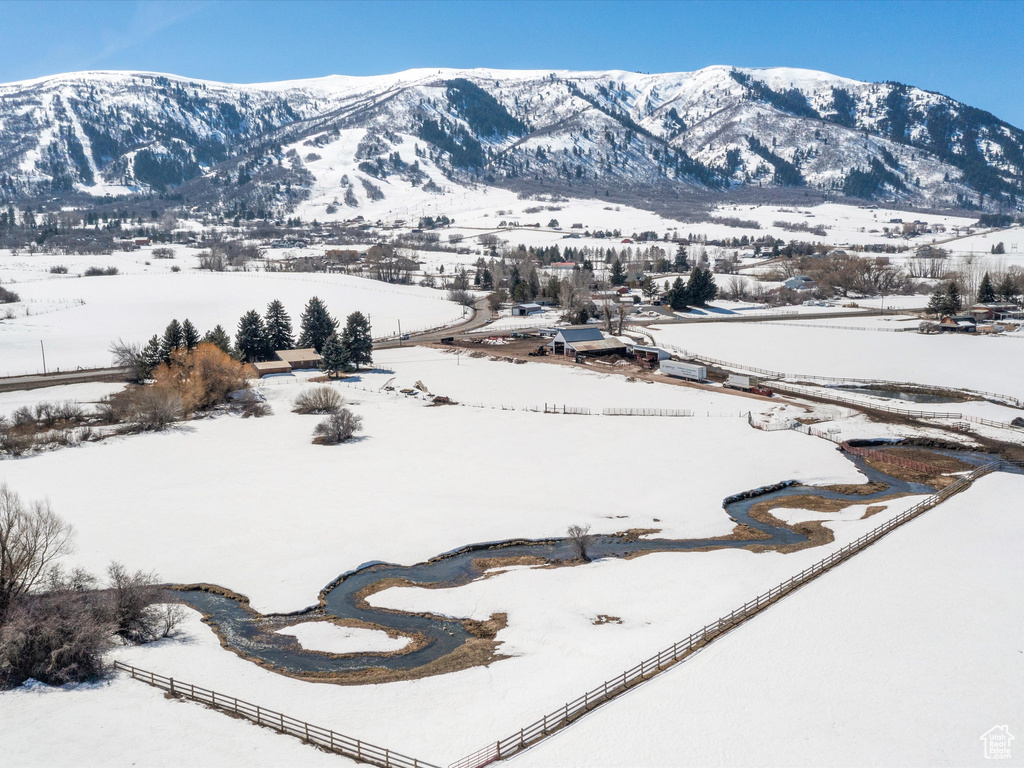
(254, 636)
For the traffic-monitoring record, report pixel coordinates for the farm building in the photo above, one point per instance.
(588, 341)
(649, 355)
(996, 311)
(958, 324)
(271, 366)
(299, 359)
(525, 310)
(800, 283)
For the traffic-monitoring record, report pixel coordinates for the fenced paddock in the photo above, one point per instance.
(573, 710)
(311, 734)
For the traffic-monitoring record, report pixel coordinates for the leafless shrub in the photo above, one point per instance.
(163, 253)
(465, 298)
(23, 417)
(252, 405)
(154, 408)
(318, 400)
(131, 608)
(581, 540)
(211, 261)
(338, 427)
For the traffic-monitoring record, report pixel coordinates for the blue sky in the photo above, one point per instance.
(971, 51)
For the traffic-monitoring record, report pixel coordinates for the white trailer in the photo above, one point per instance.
(735, 381)
(684, 370)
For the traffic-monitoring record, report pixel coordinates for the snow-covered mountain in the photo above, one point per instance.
(355, 139)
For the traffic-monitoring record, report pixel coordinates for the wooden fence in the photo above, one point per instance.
(310, 734)
(645, 412)
(888, 458)
(648, 668)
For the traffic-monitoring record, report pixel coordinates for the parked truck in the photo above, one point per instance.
(746, 384)
(684, 370)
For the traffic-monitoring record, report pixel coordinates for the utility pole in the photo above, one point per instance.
(43, 349)
(399, 333)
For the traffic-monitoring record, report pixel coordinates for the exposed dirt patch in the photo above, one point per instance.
(634, 534)
(874, 509)
(488, 563)
(605, 619)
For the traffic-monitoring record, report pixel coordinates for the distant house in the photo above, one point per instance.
(525, 310)
(289, 360)
(142, 241)
(800, 283)
(563, 266)
(996, 311)
(958, 324)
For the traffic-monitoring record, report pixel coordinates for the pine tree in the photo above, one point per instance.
(702, 288)
(150, 356)
(251, 339)
(937, 303)
(358, 339)
(334, 358)
(317, 325)
(618, 276)
(679, 296)
(680, 264)
(1007, 290)
(278, 326)
(953, 303)
(189, 335)
(219, 337)
(172, 339)
(986, 293)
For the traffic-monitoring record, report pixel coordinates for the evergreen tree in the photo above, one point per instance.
(953, 301)
(279, 326)
(358, 340)
(937, 302)
(702, 288)
(679, 296)
(521, 292)
(986, 293)
(681, 264)
(172, 339)
(1007, 290)
(618, 276)
(334, 358)
(317, 325)
(534, 282)
(251, 339)
(219, 337)
(487, 280)
(150, 355)
(189, 335)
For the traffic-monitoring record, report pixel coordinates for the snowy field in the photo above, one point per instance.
(450, 461)
(992, 364)
(905, 655)
(78, 318)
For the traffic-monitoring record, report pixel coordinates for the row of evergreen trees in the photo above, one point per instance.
(698, 291)
(259, 337)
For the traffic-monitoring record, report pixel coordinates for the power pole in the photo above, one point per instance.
(43, 349)
(399, 333)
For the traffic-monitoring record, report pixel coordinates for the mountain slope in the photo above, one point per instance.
(257, 146)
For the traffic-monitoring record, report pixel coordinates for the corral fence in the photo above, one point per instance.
(646, 412)
(830, 397)
(888, 458)
(648, 668)
(311, 734)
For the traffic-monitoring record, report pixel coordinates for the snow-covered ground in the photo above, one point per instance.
(86, 394)
(989, 364)
(78, 318)
(428, 476)
(330, 638)
(905, 655)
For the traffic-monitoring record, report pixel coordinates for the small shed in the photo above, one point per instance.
(600, 347)
(649, 355)
(299, 359)
(567, 340)
(958, 324)
(525, 310)
(271, 366)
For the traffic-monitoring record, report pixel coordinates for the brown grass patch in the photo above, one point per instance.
(488, 563)
(634, 534)
(863, 489)
(605, 619)
(874, 509)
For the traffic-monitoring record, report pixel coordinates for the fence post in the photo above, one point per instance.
(172, 686)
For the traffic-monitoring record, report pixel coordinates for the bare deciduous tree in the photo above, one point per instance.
(581, 540)
(32, 538)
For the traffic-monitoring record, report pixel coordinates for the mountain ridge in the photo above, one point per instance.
(103, 132)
